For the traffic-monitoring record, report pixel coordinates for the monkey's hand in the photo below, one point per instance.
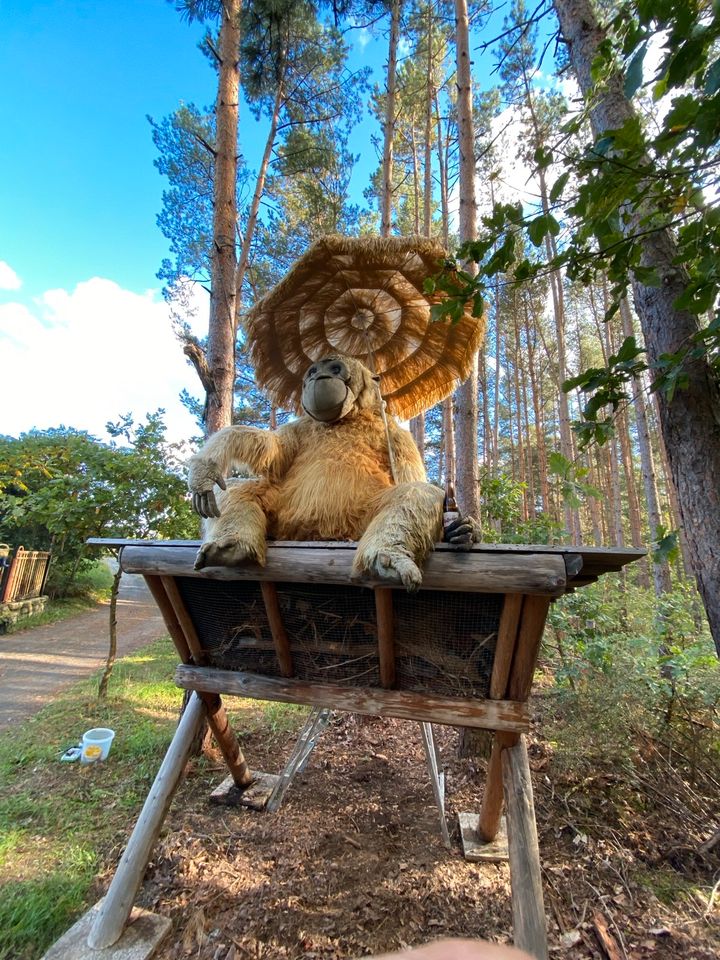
(202, 477)
(458, 530)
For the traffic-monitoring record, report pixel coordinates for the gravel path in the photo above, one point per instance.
(38, 663)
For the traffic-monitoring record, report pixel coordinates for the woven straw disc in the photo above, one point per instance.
(363, 297)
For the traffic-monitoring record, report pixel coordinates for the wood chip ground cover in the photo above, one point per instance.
(353, 864)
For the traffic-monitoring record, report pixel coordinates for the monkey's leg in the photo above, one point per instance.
(406, 524)
(238, 534)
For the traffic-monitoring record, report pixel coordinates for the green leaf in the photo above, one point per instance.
(634, 74)
(543, 157)
(665, 550)
(712, 79)
(559, 186)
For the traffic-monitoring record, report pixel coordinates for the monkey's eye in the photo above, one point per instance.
(336, 369)
(312, 371)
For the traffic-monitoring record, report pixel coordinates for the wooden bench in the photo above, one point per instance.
(461, 651)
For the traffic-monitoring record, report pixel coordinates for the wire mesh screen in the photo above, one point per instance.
(231, 623)
(444, 641)
(332, 632)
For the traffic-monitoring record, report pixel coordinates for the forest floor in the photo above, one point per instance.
(353, 864)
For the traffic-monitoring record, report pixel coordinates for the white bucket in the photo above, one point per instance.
(96, 744)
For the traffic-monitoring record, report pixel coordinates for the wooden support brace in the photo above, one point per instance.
(116, 906)
(227, 741)
(386, 643)
(277, 628)
(492, 802)
(155, 585)
(530, 931)
(216, 715)
(406, 705)
(183, 618)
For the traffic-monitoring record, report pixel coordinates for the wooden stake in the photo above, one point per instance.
(529, 925)
(116, 906)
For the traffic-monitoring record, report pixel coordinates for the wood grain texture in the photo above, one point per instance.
(456, 711)
(156, 588)
(529, 925)
(466, 571)
(183, 618)
(277, 628)
(505, 645)
(386, 642)
(116, 906)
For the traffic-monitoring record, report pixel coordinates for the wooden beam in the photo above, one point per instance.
(529, 926)
(505, 645)
(492, 801)
(456, 711)
(116, 906)
(532, 624)
(227, 741)
(277, 628)
(183, 619)
(386, 638)
(216, 716)
(465, 571)
(155, 585)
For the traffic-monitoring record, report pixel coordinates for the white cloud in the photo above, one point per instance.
(83, 357)
(9, 280)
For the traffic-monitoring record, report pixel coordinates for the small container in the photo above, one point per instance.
(96, 744)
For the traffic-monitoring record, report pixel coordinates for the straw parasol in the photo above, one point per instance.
(363, 297)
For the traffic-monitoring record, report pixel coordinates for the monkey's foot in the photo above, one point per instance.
(389, 565)
(228, 552)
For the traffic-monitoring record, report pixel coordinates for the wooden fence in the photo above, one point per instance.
(25, 576)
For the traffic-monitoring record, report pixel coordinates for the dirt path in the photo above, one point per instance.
(36, 664)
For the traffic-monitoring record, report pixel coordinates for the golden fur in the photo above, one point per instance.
(323, 481)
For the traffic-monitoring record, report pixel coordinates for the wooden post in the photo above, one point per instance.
(216, 716)
(277, 628)
(529, 925)
(156, 588)
(532, 623)
(492, 802)
(227, 741)
(183, 619)
(116, 906)
(386, 644)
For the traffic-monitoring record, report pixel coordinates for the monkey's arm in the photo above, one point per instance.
(265, 452)
(409, 467)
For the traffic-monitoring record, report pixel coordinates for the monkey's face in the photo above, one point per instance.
(328, 393)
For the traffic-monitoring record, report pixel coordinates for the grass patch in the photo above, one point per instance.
(59, 822)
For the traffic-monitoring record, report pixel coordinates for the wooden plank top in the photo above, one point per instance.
(485, 567)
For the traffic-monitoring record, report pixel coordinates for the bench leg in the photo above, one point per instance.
(116, 907)
(530, 932)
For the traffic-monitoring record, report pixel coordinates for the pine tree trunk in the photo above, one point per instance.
(257, 197)
(389, 125)
(535, 389)
(221, 331)
(690, 420)
(466, 408)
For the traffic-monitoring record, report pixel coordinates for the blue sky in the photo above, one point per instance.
(82, 322)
